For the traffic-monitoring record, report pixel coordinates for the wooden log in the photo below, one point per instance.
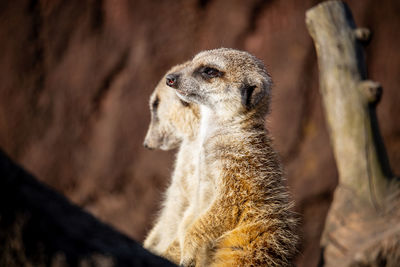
(364, 202)
(39, 227)
(349, 101)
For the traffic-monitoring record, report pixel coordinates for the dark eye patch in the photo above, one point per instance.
(208, 72)
(155, 103)
(211, 72)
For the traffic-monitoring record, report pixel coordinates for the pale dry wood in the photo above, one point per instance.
(362, 210)
(348, 101)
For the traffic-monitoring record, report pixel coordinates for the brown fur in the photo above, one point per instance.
(173, 123)
(248, 221)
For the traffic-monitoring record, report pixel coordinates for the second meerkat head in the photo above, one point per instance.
(172, 119)
(225, 80)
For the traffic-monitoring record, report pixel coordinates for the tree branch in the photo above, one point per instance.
(349, 101)
(362, 210)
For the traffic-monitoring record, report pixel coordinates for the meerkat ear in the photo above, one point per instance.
(252, 92)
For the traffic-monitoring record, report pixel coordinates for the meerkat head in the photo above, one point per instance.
(225, 80)
(172, 119)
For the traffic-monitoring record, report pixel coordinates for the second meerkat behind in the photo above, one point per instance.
(174, 123)
(249, 221)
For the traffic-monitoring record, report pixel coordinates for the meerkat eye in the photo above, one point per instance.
(155, 103)
(209, 72)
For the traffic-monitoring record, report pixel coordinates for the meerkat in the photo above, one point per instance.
(174, 123)
(249, 221)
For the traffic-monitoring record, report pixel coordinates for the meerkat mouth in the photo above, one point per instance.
(186, 96)
(181, 92)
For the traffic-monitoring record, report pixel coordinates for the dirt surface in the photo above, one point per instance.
(76, 77)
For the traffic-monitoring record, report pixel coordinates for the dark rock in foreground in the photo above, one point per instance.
(39, 227)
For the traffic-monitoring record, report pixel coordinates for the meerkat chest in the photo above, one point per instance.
(185, 169)
(205, 173)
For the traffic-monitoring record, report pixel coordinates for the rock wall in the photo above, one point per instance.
(76, 77)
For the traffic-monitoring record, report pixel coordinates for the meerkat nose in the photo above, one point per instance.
(172, 80)
(146, 145)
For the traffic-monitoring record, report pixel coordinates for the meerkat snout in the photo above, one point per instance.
(172, 80)
(146, 145)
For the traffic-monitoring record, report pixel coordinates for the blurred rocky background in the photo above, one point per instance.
(76, 77)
